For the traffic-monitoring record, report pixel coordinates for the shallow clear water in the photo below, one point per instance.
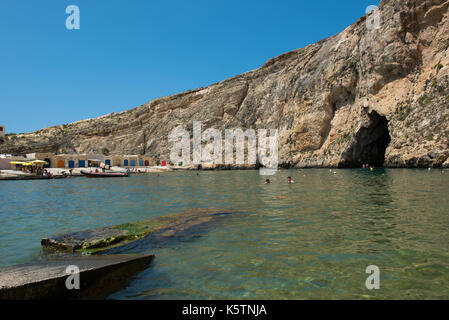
(314, 242)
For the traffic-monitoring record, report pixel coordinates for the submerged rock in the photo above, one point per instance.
(95, 240)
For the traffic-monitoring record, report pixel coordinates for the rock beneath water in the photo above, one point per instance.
(99, 276)
(95, 240)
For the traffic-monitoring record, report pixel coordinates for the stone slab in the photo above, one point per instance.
(100, 275)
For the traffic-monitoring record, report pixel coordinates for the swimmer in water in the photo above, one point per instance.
(289, 180)
(267, 181)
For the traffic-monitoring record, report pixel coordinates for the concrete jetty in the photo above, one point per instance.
(99, 276)
(95, 240)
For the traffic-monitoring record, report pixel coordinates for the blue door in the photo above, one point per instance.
(125, 163)
(141, 162)
(108, 162)
(81, 163)
(133, 163)
(71, 164)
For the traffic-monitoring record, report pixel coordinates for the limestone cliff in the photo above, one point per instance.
(364, 95)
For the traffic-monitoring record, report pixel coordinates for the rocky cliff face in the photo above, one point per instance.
(366, 95)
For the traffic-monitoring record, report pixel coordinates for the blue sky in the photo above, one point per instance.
(127, 53)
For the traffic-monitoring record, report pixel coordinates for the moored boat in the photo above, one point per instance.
(104, 174)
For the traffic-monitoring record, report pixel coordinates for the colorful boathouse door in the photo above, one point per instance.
(108, 162)
(60, 163)
(71, 164)
(81, 163)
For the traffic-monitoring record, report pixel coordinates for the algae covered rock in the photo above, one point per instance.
(95, 240)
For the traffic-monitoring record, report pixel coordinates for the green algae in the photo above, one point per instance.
(119, 235)
(132, 231)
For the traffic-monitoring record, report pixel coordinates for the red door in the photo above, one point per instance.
(164, 163)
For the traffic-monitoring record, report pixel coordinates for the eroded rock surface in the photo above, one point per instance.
(365, 95)
(101, 239)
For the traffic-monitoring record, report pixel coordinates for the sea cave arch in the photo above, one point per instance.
(370, 144)
(48, 163)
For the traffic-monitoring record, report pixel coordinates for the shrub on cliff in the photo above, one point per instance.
(105, 151)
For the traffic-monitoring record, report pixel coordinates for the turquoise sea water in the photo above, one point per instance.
(310, 240)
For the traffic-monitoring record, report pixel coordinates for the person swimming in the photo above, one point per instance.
(267, 181)
(289, 180)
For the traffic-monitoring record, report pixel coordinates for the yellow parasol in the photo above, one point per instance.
(17, 162)
(39, 162)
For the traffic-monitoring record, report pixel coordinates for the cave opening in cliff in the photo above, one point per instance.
(48, 163)
(370, 144)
